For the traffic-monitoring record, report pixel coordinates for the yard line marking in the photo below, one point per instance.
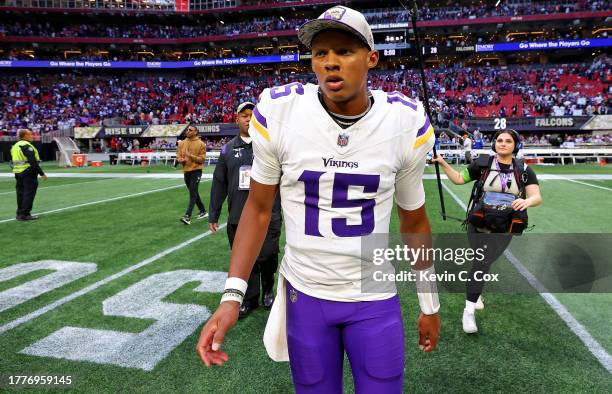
(570, 321)
(64, 185)
(32, 315)
(552, 177)
(589, 184)
(172, 175)
(100, 201)
(591, 343)
(179, 175)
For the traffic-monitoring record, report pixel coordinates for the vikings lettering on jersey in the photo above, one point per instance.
(332, 194)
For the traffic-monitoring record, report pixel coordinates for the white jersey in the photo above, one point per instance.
(337, 185)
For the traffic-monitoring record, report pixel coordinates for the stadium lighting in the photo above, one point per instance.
(497, 3)
(223, 23)
(281, 18)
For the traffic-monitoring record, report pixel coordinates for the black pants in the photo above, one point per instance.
(192, 180)
(265, 266)
(27, 183)
(493, 245)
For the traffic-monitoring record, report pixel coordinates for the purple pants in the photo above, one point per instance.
(319, 331)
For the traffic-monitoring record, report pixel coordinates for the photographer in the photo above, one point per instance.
(505, 187)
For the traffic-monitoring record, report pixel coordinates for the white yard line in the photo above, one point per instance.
(33, 315)
(170, 175)
(553, 177)
(56, 186)
(578, 329)
(179, 175)
(100, 201)
(589, 184)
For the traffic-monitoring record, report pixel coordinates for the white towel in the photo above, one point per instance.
(275, 335)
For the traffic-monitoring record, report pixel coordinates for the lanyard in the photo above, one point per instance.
(504, 177)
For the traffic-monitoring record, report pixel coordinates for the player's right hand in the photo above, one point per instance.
(213, 227)
(44, 177)
(213, 333)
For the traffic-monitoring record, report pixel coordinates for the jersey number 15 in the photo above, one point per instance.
(342, 182)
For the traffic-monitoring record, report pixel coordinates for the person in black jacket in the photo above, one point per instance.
(231, 179)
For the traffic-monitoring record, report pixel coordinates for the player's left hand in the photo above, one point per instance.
(520, 204)
(429, 332)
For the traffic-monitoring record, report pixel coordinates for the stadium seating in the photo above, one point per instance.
(41, 102)
(198, 28)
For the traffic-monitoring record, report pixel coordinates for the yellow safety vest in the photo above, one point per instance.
(20, 161)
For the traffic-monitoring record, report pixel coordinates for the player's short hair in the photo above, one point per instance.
(21, 133)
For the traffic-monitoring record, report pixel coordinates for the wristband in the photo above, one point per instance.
(235, 288)
(427, 291)
(232, 295)
(236, 283)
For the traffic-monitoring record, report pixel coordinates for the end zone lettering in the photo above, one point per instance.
(554, 122)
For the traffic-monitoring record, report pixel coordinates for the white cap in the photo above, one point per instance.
(340, 18)
(245, 105)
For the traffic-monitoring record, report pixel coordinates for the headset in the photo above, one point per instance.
(515, 136)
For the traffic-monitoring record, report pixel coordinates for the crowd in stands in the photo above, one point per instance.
(124, 144)
(529, 139)
(204, 27)
(45, 103)
(141, 30)
(487, 10)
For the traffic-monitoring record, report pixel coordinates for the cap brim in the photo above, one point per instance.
(244, 106)
(313, 27)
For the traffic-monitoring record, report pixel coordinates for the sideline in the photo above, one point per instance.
(570, 321)
(100, 201)
(54, 186)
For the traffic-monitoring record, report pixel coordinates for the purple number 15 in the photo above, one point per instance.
(342, 182)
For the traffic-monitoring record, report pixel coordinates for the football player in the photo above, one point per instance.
(339, 154)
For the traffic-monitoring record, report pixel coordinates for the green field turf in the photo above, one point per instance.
(522, 344)
(121, 168)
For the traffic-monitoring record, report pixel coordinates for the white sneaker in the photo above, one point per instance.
(469, 322)
(480, 303)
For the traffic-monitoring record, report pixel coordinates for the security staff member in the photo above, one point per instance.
(232, 179)
(25, 159)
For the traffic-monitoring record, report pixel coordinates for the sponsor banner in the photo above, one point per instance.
(544, 45)
(469, 48)
(87, 132)
(599, 122)
(129, 131)
(169, 130)
(218, 129)
(147, 65)
(545, 124)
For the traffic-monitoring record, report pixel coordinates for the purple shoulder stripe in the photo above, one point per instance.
(260, 118)
(224, 149)
(423, 129)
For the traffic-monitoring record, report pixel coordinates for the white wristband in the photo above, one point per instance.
(427, 291)
(235, 289)
(236, 283)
